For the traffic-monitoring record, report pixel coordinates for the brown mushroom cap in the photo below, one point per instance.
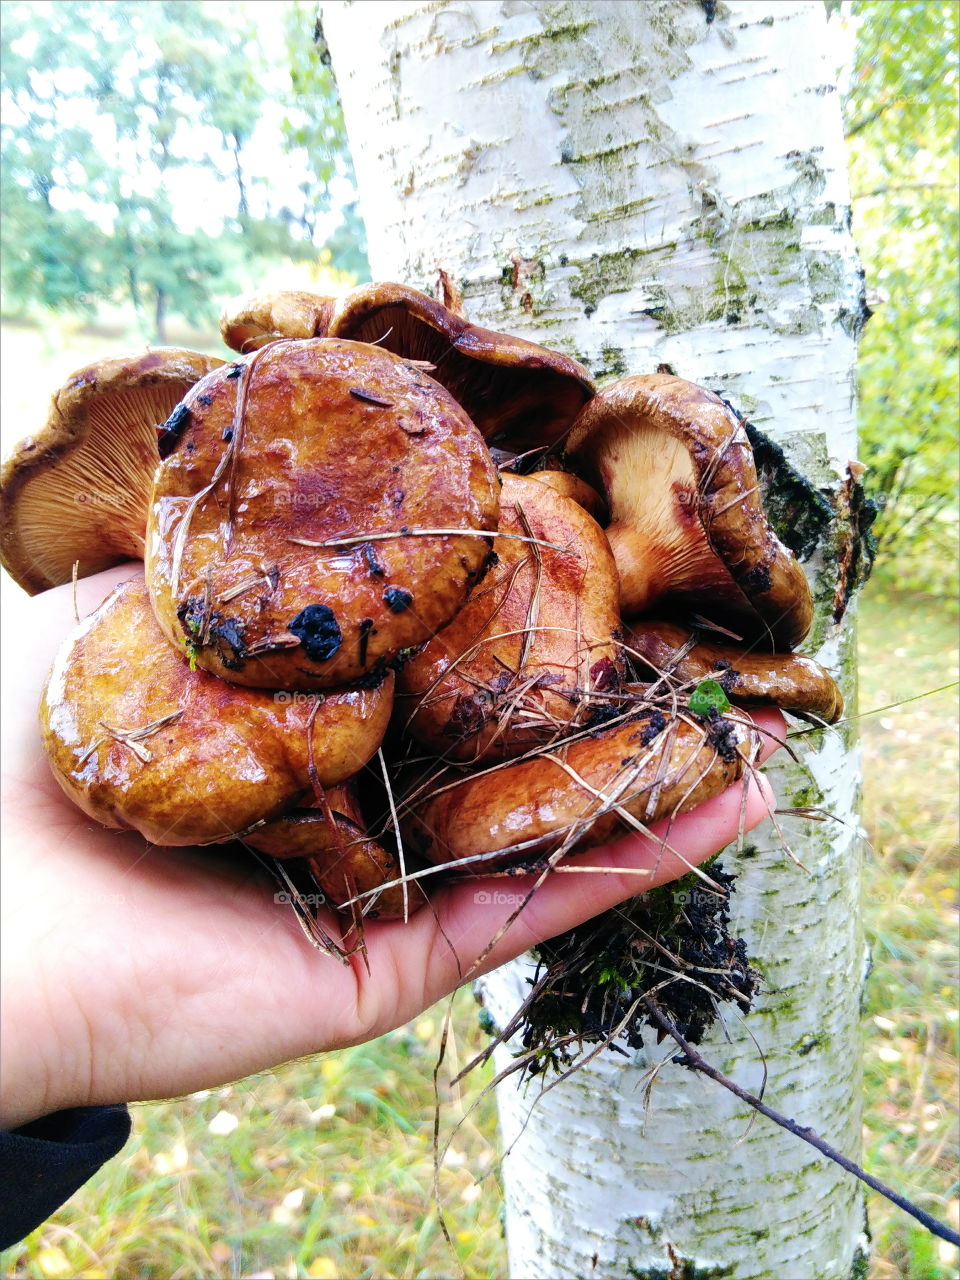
(79, 490)
(140, 741)
(255, 319)
(285, 461)
(687, 523)
(344, 860)
(572, 486)
(520, 395)
(785, 680)
(534, 649)
(646, 766)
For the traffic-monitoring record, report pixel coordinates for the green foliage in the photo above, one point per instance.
(709, 695)
(313, 125)
(901, 113)
(131, 167)
(908, 647)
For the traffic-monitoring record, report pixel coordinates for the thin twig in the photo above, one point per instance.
(698, 1063)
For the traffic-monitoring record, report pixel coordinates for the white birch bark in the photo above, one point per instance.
(633, 184)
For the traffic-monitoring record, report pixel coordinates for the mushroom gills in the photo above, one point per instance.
(686, 517)
(79, 491)
(658, 541)
(519, 395)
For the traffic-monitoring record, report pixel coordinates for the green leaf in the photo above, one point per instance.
(708, 696)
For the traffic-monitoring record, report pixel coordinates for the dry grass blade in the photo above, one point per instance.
(131, 738)
(352, 540)
(311, 927)
(396, 828)
(533, 609)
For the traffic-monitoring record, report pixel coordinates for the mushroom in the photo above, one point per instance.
(572, 486)
(327, 506)
(139, 740)
(591, 790)
(342, 857)
(786, 680)
(535, 648)
(687, 525)
(521, 396)
(78, 491)
(255, 319)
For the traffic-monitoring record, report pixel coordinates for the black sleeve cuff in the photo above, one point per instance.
(43, 1163)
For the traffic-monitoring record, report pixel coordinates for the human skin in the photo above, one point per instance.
(131, 972)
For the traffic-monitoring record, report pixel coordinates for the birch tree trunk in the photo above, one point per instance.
(636, 184)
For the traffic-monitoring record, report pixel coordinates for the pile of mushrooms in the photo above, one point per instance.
(415, 595)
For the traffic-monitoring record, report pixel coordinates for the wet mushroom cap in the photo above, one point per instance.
(687, 525)
(344, 860)
(139, 740)
(520, 395)
(255, 319)
(534, 649)
(572, 486)
(287, 463)
(79, 490)
(786, 680)
(648, 766)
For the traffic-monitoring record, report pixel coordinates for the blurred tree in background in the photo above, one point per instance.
(901, 124)
(158, 152)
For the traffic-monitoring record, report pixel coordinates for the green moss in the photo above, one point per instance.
(805, 796)
(568, 156)
(612, 363)
(860, 1268)
(617, 212)
(602, 274)
(595, 976)
(486, 1022)
(807, 1045)
(549, 34)
(825, 216)
(605, 273)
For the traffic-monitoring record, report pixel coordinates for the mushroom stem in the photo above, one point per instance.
(652, 567)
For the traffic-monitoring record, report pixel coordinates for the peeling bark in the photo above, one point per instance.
(639, 184)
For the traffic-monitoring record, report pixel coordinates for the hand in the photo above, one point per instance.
(133, 972)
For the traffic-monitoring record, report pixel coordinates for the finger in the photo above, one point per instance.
(604, 877)
(34, 626)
